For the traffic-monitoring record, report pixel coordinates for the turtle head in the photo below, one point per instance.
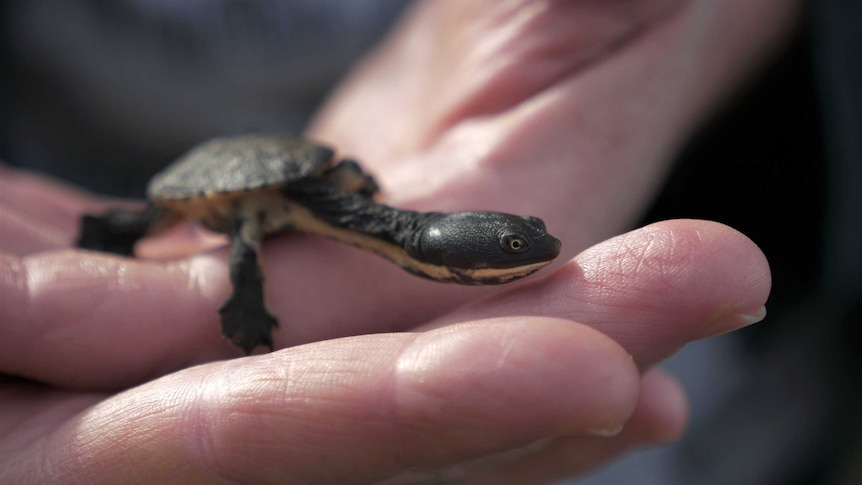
(482, 247)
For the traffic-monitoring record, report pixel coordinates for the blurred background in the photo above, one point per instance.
(104, 93)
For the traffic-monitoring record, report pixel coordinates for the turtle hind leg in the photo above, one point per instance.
(117, 230)
(245, 321)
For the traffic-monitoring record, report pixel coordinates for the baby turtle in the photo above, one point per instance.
(250, 186)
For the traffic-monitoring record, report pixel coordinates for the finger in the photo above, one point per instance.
(86, 309)
(38, 213)
(380, 404)
(652, 290)
(149, 318)
(661, 416)
(179, 241)
(42, 200)
(21, 236)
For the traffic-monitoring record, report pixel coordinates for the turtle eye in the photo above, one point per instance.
(514, 243)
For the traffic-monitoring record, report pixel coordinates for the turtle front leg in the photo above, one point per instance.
(245, 321)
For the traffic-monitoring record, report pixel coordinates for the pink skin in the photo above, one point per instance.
(565, 110)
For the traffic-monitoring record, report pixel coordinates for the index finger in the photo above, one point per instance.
(652, 290)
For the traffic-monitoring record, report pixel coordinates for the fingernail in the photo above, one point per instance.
(751, 318)
(605, 432)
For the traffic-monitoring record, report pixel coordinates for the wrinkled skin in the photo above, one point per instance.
(566, 110)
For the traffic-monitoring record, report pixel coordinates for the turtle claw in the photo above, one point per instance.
(246, 324)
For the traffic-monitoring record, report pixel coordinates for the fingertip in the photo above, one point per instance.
(735, 270)
(661, 416)
(545, 375)
(731, 245)
(704, 271)
(663, 410)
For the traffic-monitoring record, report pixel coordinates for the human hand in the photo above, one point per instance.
(479, 385)
(553, 363)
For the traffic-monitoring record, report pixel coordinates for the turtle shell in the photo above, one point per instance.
(239, 164)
